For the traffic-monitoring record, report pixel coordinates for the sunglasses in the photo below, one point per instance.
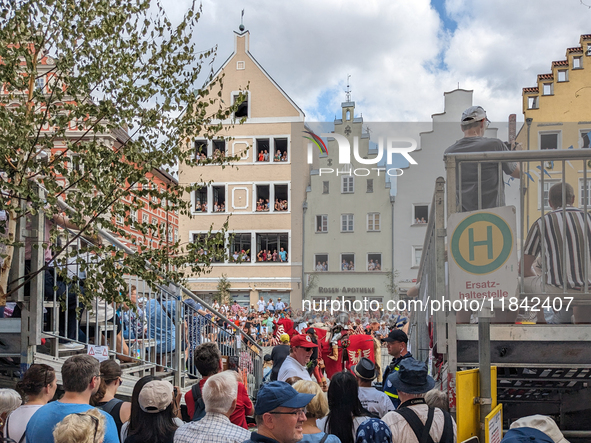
(94, 419)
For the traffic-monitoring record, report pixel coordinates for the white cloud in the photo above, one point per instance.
(394, 50)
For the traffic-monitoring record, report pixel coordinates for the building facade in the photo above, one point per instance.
(347, 226)
(557, 114)
(261, 195)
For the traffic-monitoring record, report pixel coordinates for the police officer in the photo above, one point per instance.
(396, 343)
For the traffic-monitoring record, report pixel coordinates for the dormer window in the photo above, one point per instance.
(577, 62)
(548, 89)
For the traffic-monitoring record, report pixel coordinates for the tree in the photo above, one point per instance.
(95, 95)
(223, 293)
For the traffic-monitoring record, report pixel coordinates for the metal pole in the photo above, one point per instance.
(484, 366)
(179, 333)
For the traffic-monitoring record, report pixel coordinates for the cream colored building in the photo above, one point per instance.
(557, 113)
(274, 123)
(348, 220)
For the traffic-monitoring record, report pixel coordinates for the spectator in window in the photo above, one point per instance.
(351, 266)
(344, 266)
(261, 156)
(275, 255)
(371, 266)
(265, 156)
(283, 255)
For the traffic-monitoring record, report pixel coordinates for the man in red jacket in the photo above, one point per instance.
(208, 361)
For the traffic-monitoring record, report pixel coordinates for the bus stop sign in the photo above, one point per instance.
(483, 261)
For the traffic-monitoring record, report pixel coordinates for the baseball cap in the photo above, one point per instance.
(284, 338)
(473, 114)
(396, 335)
(155, 396)
(279, 394)
(303, 341)
(542, 423)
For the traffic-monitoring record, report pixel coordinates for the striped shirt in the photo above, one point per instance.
(557, 238)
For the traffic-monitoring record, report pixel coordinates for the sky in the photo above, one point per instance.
(401, 56)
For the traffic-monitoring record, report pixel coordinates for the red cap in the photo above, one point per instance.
(303, 341)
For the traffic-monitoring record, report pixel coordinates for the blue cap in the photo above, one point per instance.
(279, 394)
(193, 304)
(526, 435)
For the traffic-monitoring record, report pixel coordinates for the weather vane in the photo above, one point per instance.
(242, 21)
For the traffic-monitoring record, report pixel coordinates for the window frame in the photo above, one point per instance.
(543, 195)
(414, 263)
(414, 213)
(323, 224)
(579, 59)
(367, 258)
(549, 90)
(564, 72)
(341, 262)
(558, 139)
(350, 188)
(533, 102)
(372, 215)
(348, 222)
(581, 193)
(326, 187)
(369, 189)
(327, 261)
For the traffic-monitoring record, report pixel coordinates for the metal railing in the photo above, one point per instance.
(158, 331)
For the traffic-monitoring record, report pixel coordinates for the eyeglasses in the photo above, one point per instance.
(96, 422)
(296, 412)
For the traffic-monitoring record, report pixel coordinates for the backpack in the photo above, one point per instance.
(199, 405)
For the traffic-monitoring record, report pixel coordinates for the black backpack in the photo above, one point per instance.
(199, 405)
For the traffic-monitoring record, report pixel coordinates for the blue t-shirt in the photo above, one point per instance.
(40, 427)
(283, 255)
(315, 438)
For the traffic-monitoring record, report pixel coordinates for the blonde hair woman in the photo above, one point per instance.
(316, 409)
(84, 427)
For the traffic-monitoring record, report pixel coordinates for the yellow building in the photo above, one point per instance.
(272, 169)
(557, 115)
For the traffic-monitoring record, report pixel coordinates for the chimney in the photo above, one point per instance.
(512, 129)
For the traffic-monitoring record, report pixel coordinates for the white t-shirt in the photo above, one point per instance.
(261, 305)
(292, 368)
(17, 421)
(375, 401)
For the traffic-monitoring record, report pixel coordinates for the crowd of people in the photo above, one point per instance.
(267, 255)
(263, 205)
(279, 156)
(292, 405)
(202, 206)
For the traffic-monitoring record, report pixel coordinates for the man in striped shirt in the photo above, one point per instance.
(559, 240)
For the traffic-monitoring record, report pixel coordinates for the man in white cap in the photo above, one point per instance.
(474, 123)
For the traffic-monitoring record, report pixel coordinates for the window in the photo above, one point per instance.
(549, 140)
(176, 235)
(373, 221)
(562, 75)
(40, 83)
(374, 262)
(325, 187)
(240, 248)
(133, 215)
(281, 203)
(577, 62)
(263, 150)
(272, 247)
(417, 251)
(240, 65)
(145, 219)
(218, 149)
(120, 219)
(582, 193)
(200, 149)
(585, 143)
(201, 200)
(281, 154)
(321, 262)
(370, 185)
(347, 223)
(347, 262)
(420, 214)
(170, 234)
(348, 185)
(262, 203)
(321, 223)
(532, 102)
(219, 198)
(547, 185)
(548, 89)
(242, 110)
(211, 245)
